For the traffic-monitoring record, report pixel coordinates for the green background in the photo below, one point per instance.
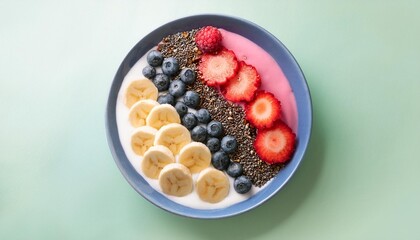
(359, 179)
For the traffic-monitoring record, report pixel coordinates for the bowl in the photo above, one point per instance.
(290, 69)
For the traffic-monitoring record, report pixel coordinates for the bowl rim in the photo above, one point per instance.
(291, 70)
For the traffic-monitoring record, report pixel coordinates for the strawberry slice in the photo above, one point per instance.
(276, 144)
(243, 86)
(264, 110)
(216, 69)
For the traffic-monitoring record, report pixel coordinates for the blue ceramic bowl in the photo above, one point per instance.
(262, 38)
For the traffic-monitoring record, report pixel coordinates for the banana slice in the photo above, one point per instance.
(139, 90)
(142, 139)
(162, 115)
(176, 180)
(154, 159)
(173, 136)
(140, 110)
(195, 156)
(212, 185)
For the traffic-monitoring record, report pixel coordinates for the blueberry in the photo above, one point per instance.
(220, 160)
(189, 121)
(188, 76)
(161, 82)
(192, 99)
(166, 99)
(170, 66)
(177, 88)
(154, 58)
(242, 184)
(149, 72)
(215, 129)
(235, 169)
(229, 144)
(203, 116)
(181, 108)
(213, 144)
(199, 134)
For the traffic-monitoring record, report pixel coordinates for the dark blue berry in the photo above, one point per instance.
(189, 121)
(199, 134)
(154, 58)
(170, 66)
(149, 72)
(177, 88)
(235, 169)
(166, 99)
(161, 82)
(192, 99)
(213, 144)
(203, 116)
(181, 108)
(215, 129)
(242, 184)
(229, 144)
(188, 75)
(220, 160)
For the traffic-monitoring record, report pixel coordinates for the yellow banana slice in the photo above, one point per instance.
(162, 115)
(212, 185)
(139, 90)
(173, 136)
(142, 139)
(195, 156)
(176, 180)
(155, 159)
(140, 110)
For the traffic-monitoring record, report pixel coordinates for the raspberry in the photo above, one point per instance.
(209, 39)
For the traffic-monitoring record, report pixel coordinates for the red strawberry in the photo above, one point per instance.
(208, 39)
(217, 69)
(264, 110)
(244, 85)
(276, 144)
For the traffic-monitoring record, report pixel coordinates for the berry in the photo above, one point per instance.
(154, 58)
(188, 76)
(235, 169)
(170, 66)
(177, 88)
(199, 134)
(217, 69)
(192, 99)
(220, 160)
(181, 108)
(242, 184)
(213, 144)
(229, 144)
(276, 144)
(264, 110)
(215, 129)
(208, 39)
(244, 85)
(149, 72)
(203, 116)
(189, 121)
(161, 82)
(166, 98)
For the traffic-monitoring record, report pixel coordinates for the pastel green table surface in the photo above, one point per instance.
(359, 179)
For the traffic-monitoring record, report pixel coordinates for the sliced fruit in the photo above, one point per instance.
(173, 136)
(264, 110)
(155, 159)
(243, 86)
(216, 69)
(195, 156)
(212, 185)
(140, 110)
(162, 115)
(276, 144)
(176, 180)
(142, 139)
(139, 90)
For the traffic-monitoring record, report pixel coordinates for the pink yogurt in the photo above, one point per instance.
(272, 77)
